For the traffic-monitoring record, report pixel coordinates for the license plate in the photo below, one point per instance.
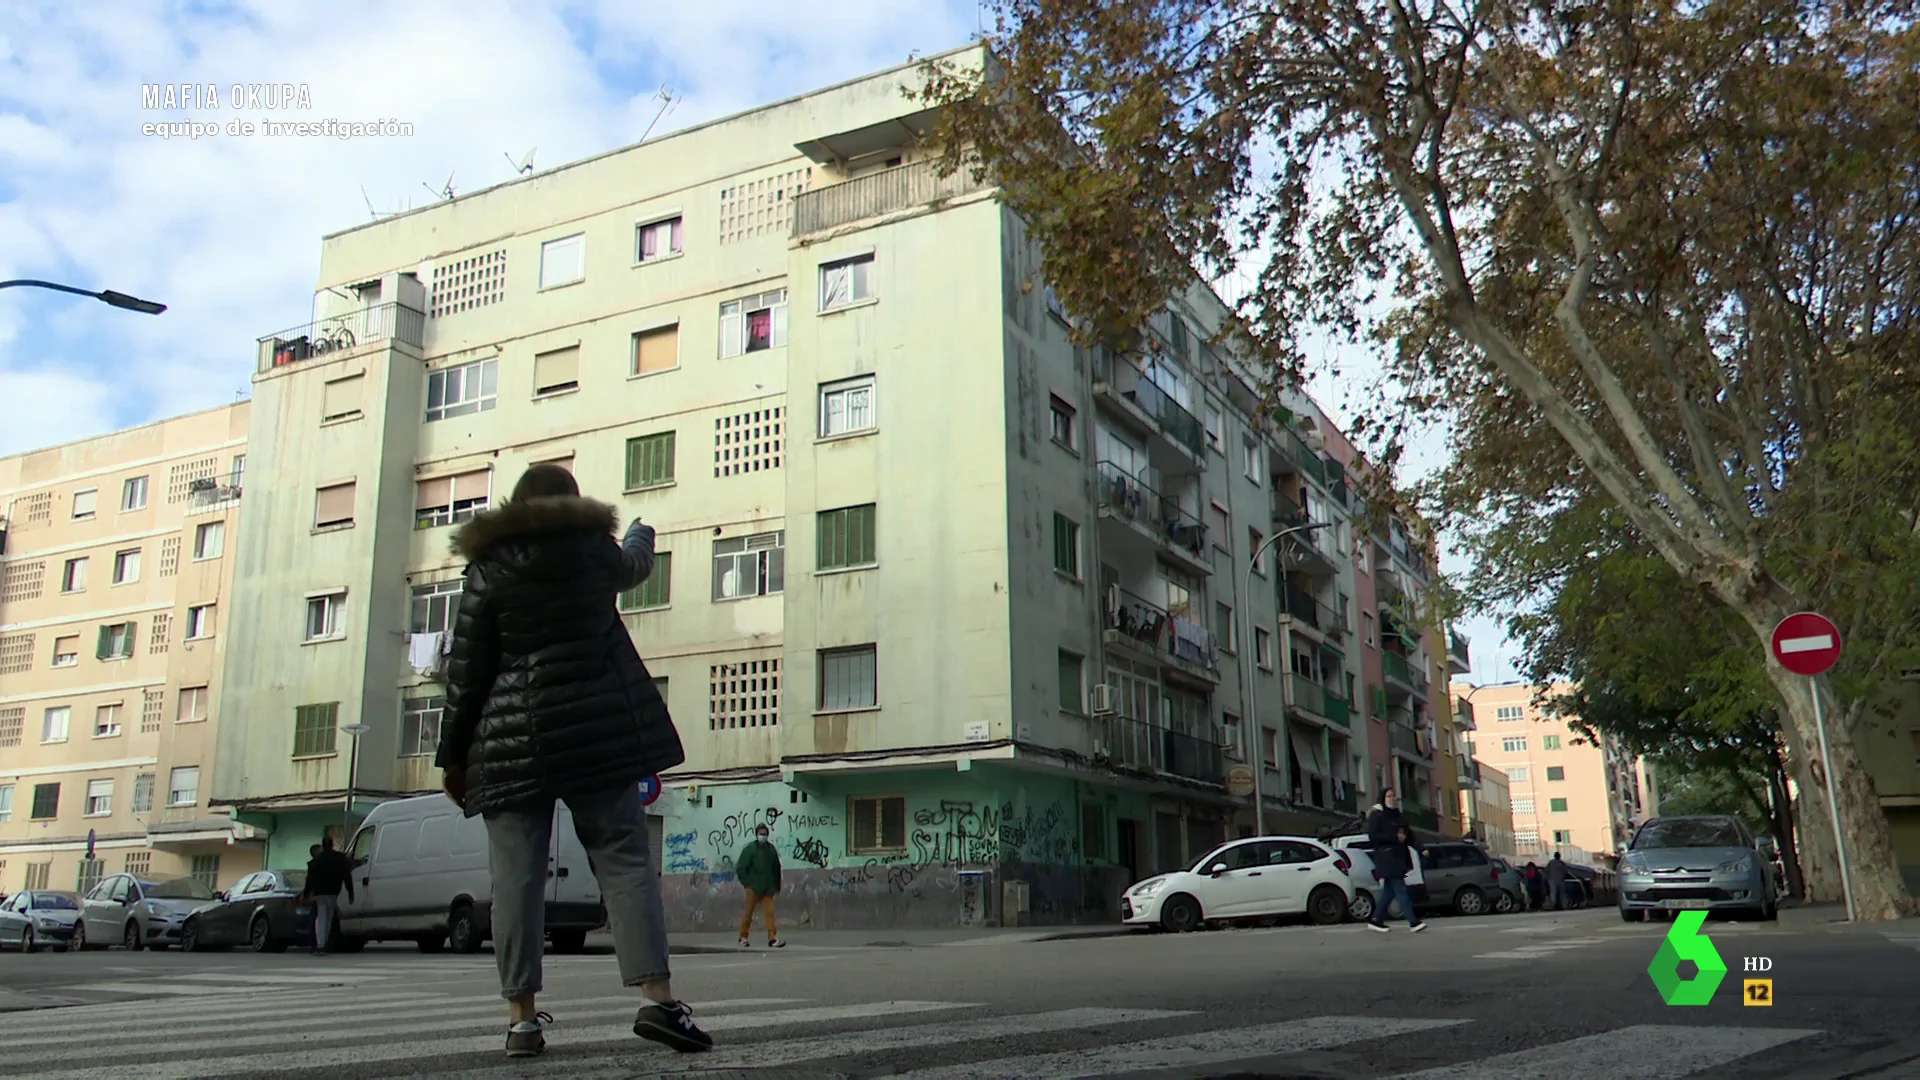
(1692, 903)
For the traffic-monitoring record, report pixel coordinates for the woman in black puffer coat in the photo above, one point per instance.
(547, 699)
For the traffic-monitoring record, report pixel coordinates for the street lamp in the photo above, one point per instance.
(1253, 710)
(108, 296)
(353, 764)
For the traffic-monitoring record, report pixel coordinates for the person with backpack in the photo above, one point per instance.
(547, 699)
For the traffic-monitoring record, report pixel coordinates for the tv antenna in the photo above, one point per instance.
(667, 99)
(445, 192)
(524, 165)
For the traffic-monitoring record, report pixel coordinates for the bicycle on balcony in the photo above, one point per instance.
(324, 341)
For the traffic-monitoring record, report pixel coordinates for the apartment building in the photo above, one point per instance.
(115, 585)
(1487, 810)
(957, 609)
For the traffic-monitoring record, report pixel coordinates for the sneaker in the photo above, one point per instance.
(776, 943)
(671, 1025)
(745, 944)
(1379, 926)
(528, 1037)
(1419, 926)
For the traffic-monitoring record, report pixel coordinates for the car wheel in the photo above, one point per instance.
(1361, 908)
(260, 936)
(1470, 901)
(463, 933)
(190, 936)
(1631, 916)
(79, 941)
(1180, 914)
(569, 941)
(1327, 905)
(431, 943)
(132, 939)
(1505, 904)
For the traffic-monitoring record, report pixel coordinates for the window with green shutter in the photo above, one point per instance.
(316, 729)
(1556, 772)
(847, 538)
(1550, 742)
(650, 461)
(656, 591)
(1558, 806)
(1066, 546)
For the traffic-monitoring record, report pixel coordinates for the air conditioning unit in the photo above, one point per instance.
(1103, 696)
(1100, 748)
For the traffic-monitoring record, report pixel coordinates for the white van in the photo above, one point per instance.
(420, 874)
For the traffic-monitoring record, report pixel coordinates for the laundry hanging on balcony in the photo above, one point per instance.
(426, 652)
(1191, 643)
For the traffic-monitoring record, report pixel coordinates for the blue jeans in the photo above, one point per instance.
(1394, 887)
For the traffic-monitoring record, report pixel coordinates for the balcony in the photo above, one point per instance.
(179, 828)
(877, 195)
(1153, 517)
(1463, 716)
(1469, 774)
(210, 493)
(1419, 816)
(1307, 611)
(1345, 798)
(1301, 457)
(1459, 660)
(341, 334)
(1316, 701)
(1153, 635)
(1410, 744)
(1403, 674)
(1129, 743)
(1136, 398)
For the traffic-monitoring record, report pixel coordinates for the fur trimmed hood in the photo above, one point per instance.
(533, 517)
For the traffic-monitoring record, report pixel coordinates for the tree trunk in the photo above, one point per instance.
(1813, 830)
(1782, 814)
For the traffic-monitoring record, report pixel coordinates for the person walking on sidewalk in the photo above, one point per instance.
(758, 869)
(327, 873)
(547, 699)
(1390, 843)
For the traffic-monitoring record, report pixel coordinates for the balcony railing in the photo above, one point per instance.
(1302, 605)
(1149, 746)
(1155, 629)
(1406, 740)
(1420, 817)
(1307, 458)
(339, 333)
(1126, 496)
(1286, 511)
(903, 187)
(1338, 709)
(1400, 669)
(1457, 649)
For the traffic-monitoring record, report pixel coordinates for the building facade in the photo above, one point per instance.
(1487, 810)
(116, 583)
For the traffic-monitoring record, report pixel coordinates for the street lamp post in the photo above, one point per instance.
(107, 296)
(1249, 665)
(353, 765)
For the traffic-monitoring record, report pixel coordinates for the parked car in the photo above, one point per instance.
(1704, 861)
(262, 911)
(136, 912)
(1513, 889)
(420, 874)
(35, 917)
(1258, 877)
(1363, 881)
(1460, 877)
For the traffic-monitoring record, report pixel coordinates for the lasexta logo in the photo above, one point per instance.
(1686, 942)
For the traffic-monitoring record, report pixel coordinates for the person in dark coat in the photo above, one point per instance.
(758, 871)
(547, 699)
(1557, 883)
(1390, 843)
(328, 872)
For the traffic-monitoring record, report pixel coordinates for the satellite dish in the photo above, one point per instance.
(524, 165)
(446, 190)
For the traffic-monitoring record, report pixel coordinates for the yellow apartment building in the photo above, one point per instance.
(116, 583)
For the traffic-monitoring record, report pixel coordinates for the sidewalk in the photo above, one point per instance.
(1832, 919)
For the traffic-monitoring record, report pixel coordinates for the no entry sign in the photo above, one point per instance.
(649, 790)
(1806, 643)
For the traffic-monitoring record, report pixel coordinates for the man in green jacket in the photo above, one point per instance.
(758, 869)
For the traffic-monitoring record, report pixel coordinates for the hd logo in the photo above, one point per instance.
(1686, 942)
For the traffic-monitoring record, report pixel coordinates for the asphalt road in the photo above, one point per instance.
(1554, 995)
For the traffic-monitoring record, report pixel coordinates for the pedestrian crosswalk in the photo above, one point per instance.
(373, 1031)
(322, 973)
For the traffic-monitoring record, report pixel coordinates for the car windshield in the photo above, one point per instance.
(1688, 833)
(53, 901)
(295, 879)
(177, 889)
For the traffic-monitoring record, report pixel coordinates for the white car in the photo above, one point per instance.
(1363, 883)
(1258, 877)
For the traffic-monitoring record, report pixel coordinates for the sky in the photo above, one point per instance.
(225, 228)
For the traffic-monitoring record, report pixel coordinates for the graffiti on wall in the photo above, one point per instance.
(680, 854)
(811, 850)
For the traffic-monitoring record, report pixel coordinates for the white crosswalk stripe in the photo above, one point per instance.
(1544, 948)
(1645, 1052)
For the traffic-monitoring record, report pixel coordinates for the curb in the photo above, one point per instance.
(1109, 932)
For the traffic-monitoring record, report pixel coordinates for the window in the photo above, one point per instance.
(846, 407)
(846, 538)
(1263, 648)
(46, 802)
(656, 240)
(1213, 425)
(1514, 744)
(753, 323)
(1555, 772)
(1063, 417)
(879, 823)
(115, 642)
(750, 566)
(1270, 746)
(1220, 524)
(656, 350)
(1066, 546)
(199, 625)
(450, 500)
(1549, 742)
(66, 651)
(563, 261)
(849, 679)
(1510, 713)
(1558, 806)
(133, 494)
(205, 869)
(1523, 805)
(85, 502)
(333, 506)
(1366, 627)
(6, 803)
(340, 399)
(1250, 460)
(192, 706)
(38, 874)
(1517, 774)
(126, 567)
(459, 391)
(1563, 836)
(848, 281)
(88, 875)
(73, 578)
(1073, 685)
(656, 591)
(650, 461)
(557, 371)
(210, 538)
(139, 863)
(106, 721)
(434, 606)
(327, 617)
(420, 726)
(316, 729)
(99, 798)
(54, 723)
(1259, 557)
(1224, 628)
(183, 785)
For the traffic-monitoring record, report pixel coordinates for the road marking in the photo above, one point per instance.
(286, 980)
(206, 1059)
(1185, 1051)
(1645, 1052)
(109, 1012)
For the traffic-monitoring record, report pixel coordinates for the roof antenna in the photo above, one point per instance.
(445, 192)
(524, 165)
(667, 99)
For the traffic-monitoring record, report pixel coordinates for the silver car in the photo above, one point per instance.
(1705, 862)
(36, 917)
(137, 912)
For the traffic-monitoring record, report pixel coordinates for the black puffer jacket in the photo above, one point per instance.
(546, 694)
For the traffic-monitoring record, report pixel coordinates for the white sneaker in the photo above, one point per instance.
(1419, 926)
(745, 944)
